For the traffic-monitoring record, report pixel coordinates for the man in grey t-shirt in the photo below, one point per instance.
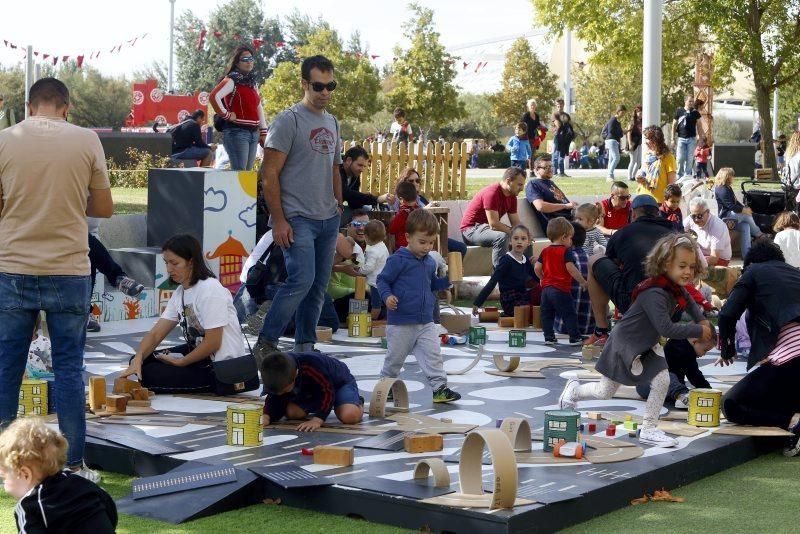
(303, 190)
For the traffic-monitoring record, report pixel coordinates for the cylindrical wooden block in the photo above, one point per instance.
(536, 317)
(361, 287)
(324, 333)
(704, 407)
(455, 267)
(488, 316)
(522, 316)
(505, 322)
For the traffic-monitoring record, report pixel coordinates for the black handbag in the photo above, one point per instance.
(219, 123)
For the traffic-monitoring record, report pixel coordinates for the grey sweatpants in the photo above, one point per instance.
(420, 340)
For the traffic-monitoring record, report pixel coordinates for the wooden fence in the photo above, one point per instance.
(442, 167)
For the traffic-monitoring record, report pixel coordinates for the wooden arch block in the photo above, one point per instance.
(377, 403)
(518, 431)
(435, 466)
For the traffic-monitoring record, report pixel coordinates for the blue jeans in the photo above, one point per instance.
(240, 144)
(686, 147)
(308, 265)
(457, 246)
(557, 302)
(558, 162)
(612, 147)
(635, 163)
(747, 229)
(65, 299)
(193, 152)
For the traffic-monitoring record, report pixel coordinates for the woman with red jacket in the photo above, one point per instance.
(237, 101)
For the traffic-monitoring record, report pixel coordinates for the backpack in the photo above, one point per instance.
(604, 133)
(270, 269)
(404, 135)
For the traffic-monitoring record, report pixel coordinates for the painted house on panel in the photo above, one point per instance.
(232, 255)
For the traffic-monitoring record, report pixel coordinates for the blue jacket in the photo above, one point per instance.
(412, 280)
(520, 148)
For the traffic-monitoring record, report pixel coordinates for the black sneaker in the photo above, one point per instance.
(129, 286)
(92, 325)
(576, 341)
(794, 443)
(445, 394)
(550, 341)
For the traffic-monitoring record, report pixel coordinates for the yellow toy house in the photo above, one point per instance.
(245, 424)
(32, 398)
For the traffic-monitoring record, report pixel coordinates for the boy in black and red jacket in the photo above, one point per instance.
(308, 385)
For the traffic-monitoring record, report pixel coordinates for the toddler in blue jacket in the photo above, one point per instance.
(407, 284)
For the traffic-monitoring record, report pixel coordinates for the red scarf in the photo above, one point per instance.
(667, 285)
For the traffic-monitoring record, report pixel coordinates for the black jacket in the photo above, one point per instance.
(187, 134)
(350, 191)
(629, 247)
(771, 293)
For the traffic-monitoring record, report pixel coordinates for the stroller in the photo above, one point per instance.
(767, 201)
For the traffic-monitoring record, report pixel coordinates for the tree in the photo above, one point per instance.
(157, 70)
(12, 86)
(356, 95)
(524, 77)
(237, 22)
(478, 121)
(423, 75)
(95, 100)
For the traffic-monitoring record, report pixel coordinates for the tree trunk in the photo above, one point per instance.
(768, 153)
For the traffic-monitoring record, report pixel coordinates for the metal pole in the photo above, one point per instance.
(775, 114)
(171, 44)
(651, 63)
(568, 71)
(29, 67)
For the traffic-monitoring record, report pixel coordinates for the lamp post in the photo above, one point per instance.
(651, 63)
(171, 44)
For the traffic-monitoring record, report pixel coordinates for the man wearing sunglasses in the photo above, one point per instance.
(616, 209)
(712, 233)
(303, 190)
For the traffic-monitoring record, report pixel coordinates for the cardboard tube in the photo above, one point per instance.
(522, 316)
(504, 466)
(536, 317)
(488, 316)
(361, 287)
(441, 476)
(455, 267)
(377, 403)
(505, 322)
(518, 431)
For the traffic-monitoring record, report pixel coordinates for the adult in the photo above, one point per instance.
(564, 136)
(616, 209)
(684, 134)
(612, 134)
(613, 277)
(791, 174)
(534, 126)
(204, 309)
(498, 146)
(400, 129)
(7, 118)
(712, 233)
(353, 163)
(188, 142)
(545, 196)
(558, 107)
(237, 102)
(633, 135)
(769, 291)
(481, 225)
(411, 175)
(659, 165)
(303, 190)
(52, 175)
(729, 207)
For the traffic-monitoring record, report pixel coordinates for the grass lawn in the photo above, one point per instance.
(128, 201)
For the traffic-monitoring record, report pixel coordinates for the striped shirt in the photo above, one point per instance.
(788, 345)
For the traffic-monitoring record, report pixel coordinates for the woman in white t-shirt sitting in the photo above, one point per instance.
(204, 309)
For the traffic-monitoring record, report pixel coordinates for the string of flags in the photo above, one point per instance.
(79, 58)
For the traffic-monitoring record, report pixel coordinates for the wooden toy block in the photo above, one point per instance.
(455, 267)
(611, 430)
(97, 392)
(324, 333)
(522, 316)
(505, 322)
(116, 403)
(595, 415)
(631, 425)
(536, 317)
(123, 385)
(423, 443)
(141, 394)
(334, 455)
(361, 288)
(517, 338)
(628, 417)
(151, 394)
(489, 316)
(477, 335)
(139, 403)
(378, 330)
(592, 427)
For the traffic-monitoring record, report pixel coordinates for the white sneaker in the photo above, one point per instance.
(567, 399)
(88, 474)
(656, 437)
(682, 402)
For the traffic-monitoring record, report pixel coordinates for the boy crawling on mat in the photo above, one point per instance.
(307, 385)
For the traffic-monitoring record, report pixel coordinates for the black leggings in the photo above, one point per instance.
(767, 396)
(165, 378)
(101, 260)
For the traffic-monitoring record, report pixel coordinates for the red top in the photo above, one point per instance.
(701, 154)
(615, 218)
(243, 100)
(554, 261)
(492, 198)
(397, 227)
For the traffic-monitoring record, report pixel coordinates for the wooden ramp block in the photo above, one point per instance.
(423, 443)
(97, 392)
(333, 455)
(139, 403)
(505, 322)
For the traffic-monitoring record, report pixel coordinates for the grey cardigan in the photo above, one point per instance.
(648, 319)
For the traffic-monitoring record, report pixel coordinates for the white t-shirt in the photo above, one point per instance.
(255, 255)
(374, 260)
(713, 236)
(789, 241)
(395, 128)
(208, 305)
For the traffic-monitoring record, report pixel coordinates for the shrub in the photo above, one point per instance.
(488, 159)
(135, 175)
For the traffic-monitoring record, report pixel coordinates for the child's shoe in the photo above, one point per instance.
(656, 437)
(598, 340)
(576, 341)
(794, 443)
(682, 402)
(550, 341)
(85, 472)
(445, 394)
(129, 286)
(567, 399)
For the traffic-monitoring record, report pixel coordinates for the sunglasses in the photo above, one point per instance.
(319, 86)
(246, 59)
(698, 216)
(546, 167)
(624, 197)
(358, 224)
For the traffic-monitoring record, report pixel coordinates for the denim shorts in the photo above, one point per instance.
(348, 394)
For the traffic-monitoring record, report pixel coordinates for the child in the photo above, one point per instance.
(406, 284)
(632, 354)
(514, 272)
(304, 385)
(701, 155)
(556, 269)
(406, 193)
(787, 236)
(670, 209)
(587, 216)
(583, 306)
(50, 499)
(374, 259)
(520, 147)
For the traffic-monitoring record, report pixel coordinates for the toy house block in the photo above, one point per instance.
(423, 443)
(123, 385)
(359, 325)
(505, 322)
(611, 430)
(477, 335)
(359, 306)
(333, 455)
(245, 424)
(361, 288)
(97, 392)
(141, 394)
(378, 330)
(139, 403)
(116, 403)
(517, 338)
(33, 398)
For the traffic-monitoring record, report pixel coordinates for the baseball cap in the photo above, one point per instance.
(643, 200)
